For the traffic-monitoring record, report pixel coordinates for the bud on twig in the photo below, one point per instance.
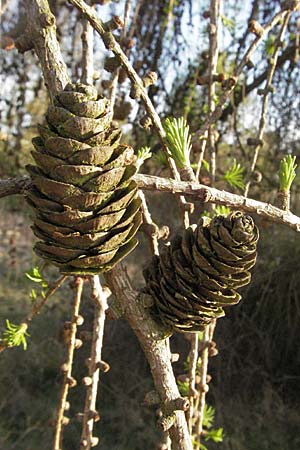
(93, 414)
(146, 122)
(205, 79)
(65, 420)
(135, 92)
(103, 366)
(71, 382)
(87, 381)
(254, 141)
(114, 23)
(127, 42)
(255, 28)
(64, 367)
(228, 83)
(149, 79)
(256, 176)
(112, 64)
(67, 406)
(250, 64)
(79, 320)
(78, 343)
(269, 89)
(108, 40)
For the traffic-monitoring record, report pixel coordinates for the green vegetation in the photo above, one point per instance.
(179, 140)
(287, 172)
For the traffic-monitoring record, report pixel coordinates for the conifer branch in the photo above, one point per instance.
(216, 114)
(90, 414)
(68, 380)
(266, 92)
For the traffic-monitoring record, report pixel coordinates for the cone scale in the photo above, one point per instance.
(86, 212)
(200, 271)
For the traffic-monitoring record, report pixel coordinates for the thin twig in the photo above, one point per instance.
(214, 16)
(202, 192)
(37, 306)
(201, 155)
(214, 116)
(113, 89)
(193, 358)
(203, 388)
(266, 93)
(152, 228)
(213, 195)
(87, 60)
(68, 380)
(212, 67)
(90, 414)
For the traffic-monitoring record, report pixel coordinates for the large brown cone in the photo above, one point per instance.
(83, 195)
(198, 274)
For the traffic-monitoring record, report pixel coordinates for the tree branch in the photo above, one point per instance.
(204, 193)
(213, 195)
(216, 114)
(151, 338)
(41, 30)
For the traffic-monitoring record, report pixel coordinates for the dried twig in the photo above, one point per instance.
(87, 60)
(113, 89)
(201, 191)
(150, 228)
(203, 388)
(193, 358)
(68, 381)
(214, 17)
(266, 92)
(90, 414)
(231, 83)
(213, 195)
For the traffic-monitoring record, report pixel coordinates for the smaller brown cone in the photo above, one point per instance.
(198, 274)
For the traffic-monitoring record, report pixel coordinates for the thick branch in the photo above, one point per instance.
(204, 193)
(156, 350)
(212, 195)
(41, 30)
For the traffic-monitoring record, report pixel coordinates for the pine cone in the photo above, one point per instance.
(83, 195)
(200, 271)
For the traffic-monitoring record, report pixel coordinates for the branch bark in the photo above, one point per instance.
(152, 340)
(41, 30)
(202, 192)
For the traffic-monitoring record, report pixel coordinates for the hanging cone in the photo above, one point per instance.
(198, 274)
(84, 199)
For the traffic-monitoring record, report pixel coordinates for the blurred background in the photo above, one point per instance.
(255, 387)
